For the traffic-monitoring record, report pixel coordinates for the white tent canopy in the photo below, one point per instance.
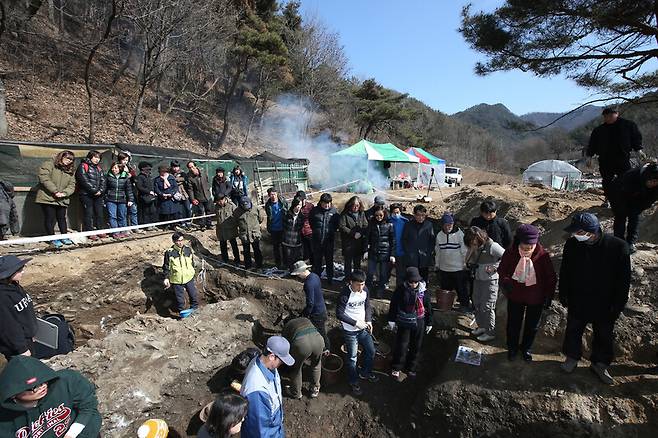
(552, 173)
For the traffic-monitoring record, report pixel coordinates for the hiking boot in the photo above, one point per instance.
(139, 231)
(486, 337)
(371, 378)
(601, 370)
(93, 238)
(356, 389)
(527, 356)
(478, 331)
(395, 374)
(103, 236)
(569, 365)
(67, 241)
(315, 392)
(57, 244)
(290, 394)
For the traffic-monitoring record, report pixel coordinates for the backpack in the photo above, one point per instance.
(65, 336)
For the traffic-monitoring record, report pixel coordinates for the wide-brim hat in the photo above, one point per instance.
(299, 267)
(11, 264)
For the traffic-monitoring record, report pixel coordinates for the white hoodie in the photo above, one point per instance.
(450, 251)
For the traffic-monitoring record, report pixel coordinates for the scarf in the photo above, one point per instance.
(525, 270)
(165, 178)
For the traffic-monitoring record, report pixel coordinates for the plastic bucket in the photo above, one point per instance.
(445, 299)
(382, 361)
(332, 366)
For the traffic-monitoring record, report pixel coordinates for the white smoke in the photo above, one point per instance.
(290, 125)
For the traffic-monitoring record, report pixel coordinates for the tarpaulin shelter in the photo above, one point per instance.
(22, 160)
(552, 173)
(369, 162)
(428, 162)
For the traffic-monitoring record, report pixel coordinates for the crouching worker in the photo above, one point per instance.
(261, 387)
(306, 344)
(37, 401)
(178, 268)
(227, 227)
(18, 322)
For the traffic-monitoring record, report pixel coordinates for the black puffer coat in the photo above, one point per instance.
(381, 240)
(119, 188)
(90, 178)
(145, 185)
(324, 224)
(292, 229)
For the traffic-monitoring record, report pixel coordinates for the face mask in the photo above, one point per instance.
(396, 215)
(581, 237)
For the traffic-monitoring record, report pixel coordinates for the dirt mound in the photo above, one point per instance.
(135, 365)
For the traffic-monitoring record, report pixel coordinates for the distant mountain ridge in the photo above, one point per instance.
(569, 122)
(498, 120)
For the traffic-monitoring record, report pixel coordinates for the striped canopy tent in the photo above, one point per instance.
(369, 162)
(428, 162)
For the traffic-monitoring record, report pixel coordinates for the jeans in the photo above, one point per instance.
(246, 253)
(408, 342)
(515, 316)
(201, 209)
(306, 348)
(117, 213)
(179, 290)
(380, 270)
(352, 339)
(52, 214)
(93, 212)
(277, 238)
(485, 294)
(132, 214)
(603, 339)
(326, 251)
(224, 249)
(456, 281)
(186, 210)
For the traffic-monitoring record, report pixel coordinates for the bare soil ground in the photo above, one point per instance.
(147, 364)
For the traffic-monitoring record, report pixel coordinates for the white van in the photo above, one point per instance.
(454, 176)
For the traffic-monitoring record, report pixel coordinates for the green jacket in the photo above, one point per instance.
(71, 399)
(227, 224)
(178, 265)
(249, 223)
(51, 181)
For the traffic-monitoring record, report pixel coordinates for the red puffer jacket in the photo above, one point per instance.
(306, 213)
(546, 278)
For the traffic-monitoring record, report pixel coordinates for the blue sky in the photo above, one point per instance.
(413, 46)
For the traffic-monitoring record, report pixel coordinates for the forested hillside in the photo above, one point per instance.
(213, 76)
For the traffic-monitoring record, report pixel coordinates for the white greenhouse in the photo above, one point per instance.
(552, 173)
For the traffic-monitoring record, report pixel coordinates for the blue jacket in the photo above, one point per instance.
(398, 226)
(262, 388)
(315, 304)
